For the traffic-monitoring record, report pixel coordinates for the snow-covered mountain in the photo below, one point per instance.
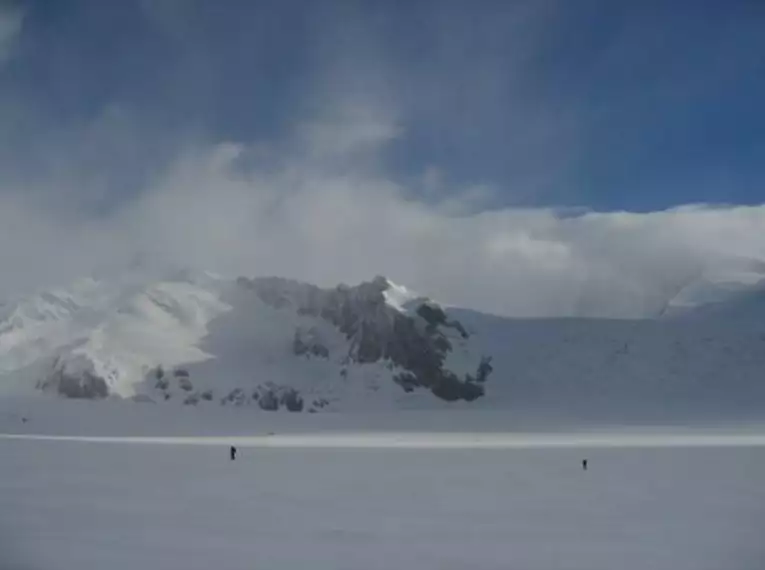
(726, 281)
(274, 342)
(270, 343)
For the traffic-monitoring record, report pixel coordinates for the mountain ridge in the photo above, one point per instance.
(274, 343)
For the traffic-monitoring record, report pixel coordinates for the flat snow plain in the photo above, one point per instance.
(125, 486)
(371, 499)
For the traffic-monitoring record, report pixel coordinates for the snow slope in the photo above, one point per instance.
(203, 340)
(115, 329)
(727, 281)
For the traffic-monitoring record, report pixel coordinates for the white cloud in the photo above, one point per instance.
(328, 225)
(320, 206)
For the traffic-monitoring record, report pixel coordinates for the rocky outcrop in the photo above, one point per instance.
(75, 379)
(416, 343)
(271, 397)
(268, 401)
(290, 399)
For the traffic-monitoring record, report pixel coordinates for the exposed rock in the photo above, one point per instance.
(407, 381)
(435, 317)
(75, 379)
(185, 384)
(207, 395)
(88, 386)
(417, 344)
(268, 401)
(484, 369)
(433, 314)
(451, 389)
(290, 398)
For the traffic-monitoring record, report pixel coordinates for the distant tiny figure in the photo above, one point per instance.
(584, 464)
(233, 453)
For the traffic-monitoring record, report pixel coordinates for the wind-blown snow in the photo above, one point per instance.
(398, 296)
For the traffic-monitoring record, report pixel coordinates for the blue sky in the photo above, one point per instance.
(607, 105)
(548, 157)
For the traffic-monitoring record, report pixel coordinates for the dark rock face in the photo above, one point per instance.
(268, 401)
(435, 317)
(415, 343)
(88, 386)
(271, 397)
(484, 369)
(407, 380)
(291, 400)
(80, 384)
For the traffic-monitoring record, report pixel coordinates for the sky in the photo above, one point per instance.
(529, 158)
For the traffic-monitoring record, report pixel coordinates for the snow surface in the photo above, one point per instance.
(74, 505)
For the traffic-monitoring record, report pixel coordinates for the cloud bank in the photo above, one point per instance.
(392, 145)
(321, 207)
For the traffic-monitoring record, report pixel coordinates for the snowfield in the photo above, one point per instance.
(399, 466)
(69, 505)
